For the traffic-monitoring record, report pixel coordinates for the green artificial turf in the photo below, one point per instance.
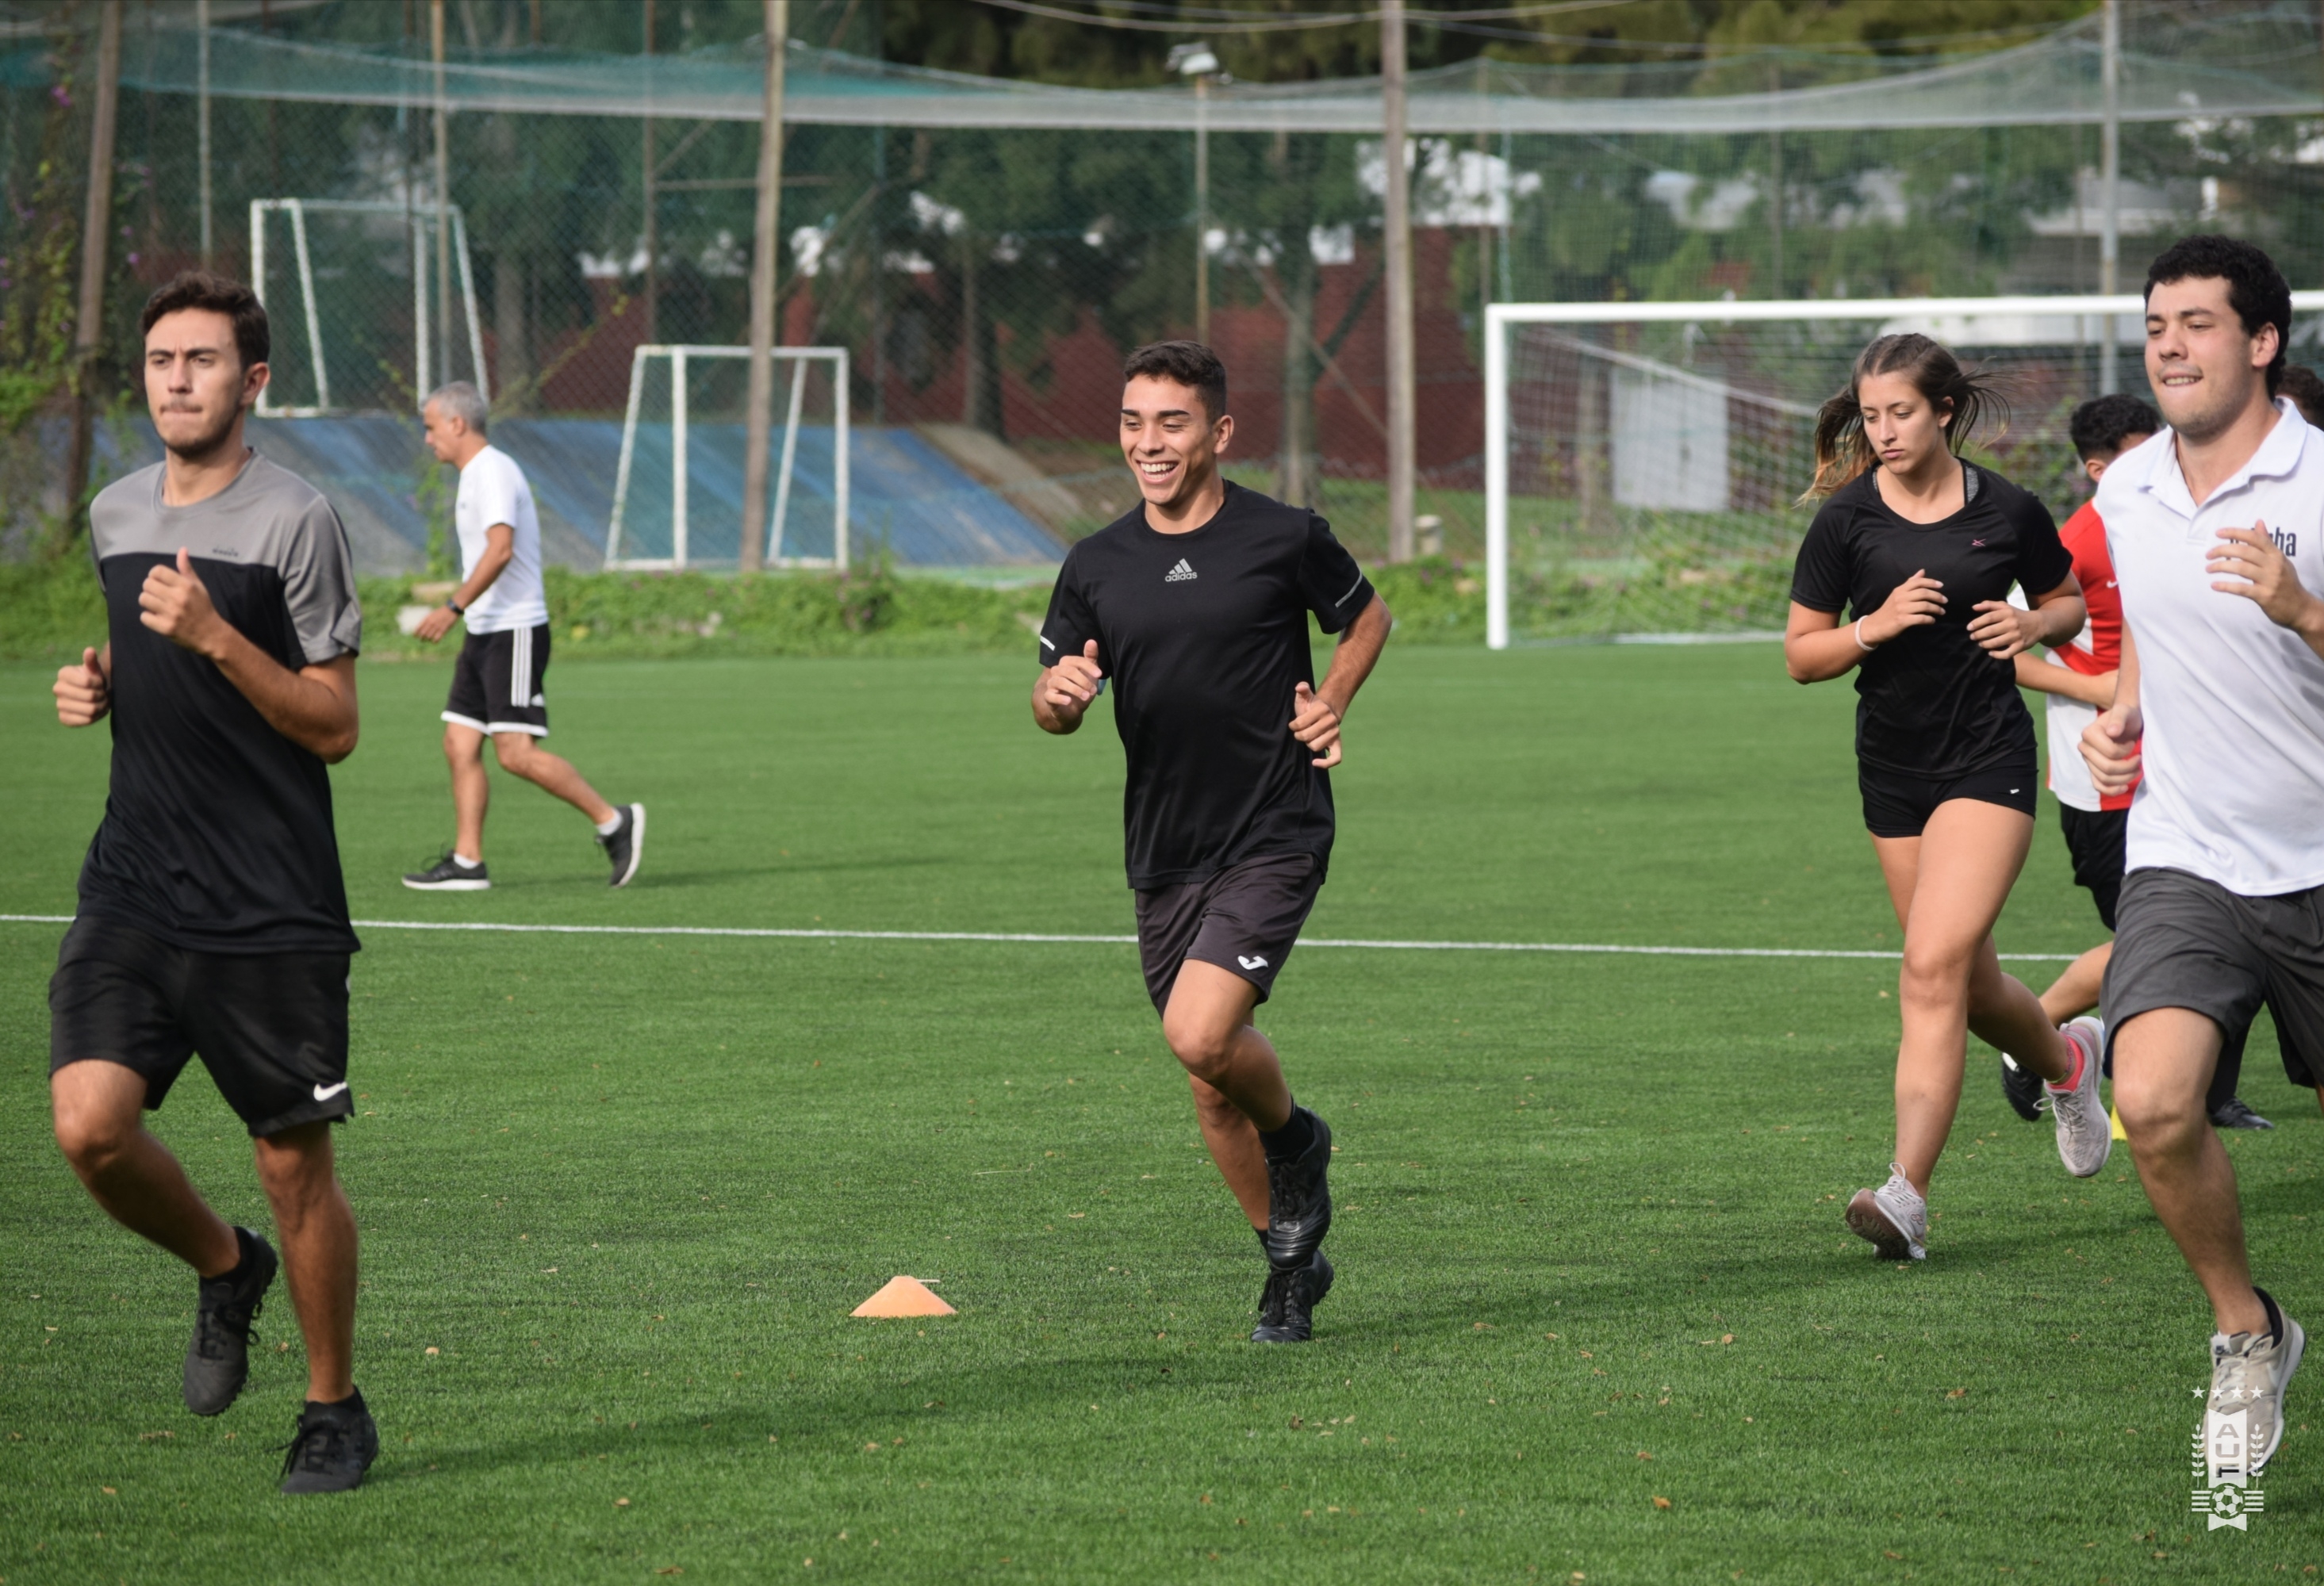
(619, 1193)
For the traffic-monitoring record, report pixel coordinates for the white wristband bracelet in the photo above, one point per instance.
(1867, 648)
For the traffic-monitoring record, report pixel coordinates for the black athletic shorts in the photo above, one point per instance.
(496, 682)
(1897, 805)
(271, 1027)
(2094, 841)
(2185, 942)
(1244, 919)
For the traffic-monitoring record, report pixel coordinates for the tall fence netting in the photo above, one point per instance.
(987, 279)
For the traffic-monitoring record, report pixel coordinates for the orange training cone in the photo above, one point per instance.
(903, 1296)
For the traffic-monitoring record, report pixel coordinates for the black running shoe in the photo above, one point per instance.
(1287, 1305)
(2234, 1112)
(2022, 1088)
(332, 1448)
(448, 875)
(625, 844)
(217, 1358)
(1299, 1202)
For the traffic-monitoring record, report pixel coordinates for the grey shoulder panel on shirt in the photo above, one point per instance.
(268, 517)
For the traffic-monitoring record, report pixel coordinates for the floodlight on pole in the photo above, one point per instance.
(1200, 62)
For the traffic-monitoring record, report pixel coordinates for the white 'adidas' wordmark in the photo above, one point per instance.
(1179, 574)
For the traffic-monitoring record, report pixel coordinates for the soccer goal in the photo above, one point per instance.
(1642, 459)
(677, 489)
(358, 314)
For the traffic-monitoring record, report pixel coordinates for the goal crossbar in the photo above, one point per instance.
(1501, 319)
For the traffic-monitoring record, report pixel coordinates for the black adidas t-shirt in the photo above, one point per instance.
(1931, 702)
(217, 834)
(1203, 638)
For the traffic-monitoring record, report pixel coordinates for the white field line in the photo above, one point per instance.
(827, 935)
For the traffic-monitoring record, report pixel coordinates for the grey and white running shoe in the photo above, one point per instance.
(2085, 1131)
(1893, 1217)
(2249, 1371)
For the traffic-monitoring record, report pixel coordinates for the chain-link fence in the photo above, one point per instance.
(985, 279)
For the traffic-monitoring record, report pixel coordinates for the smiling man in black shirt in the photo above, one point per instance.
(1194, 606)
(213, 917)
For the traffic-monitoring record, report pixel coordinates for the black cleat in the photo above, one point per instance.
(2234, 1112)
(2022, 1088)
(332, 1448)
(217, 1358)
(1287, 1305)
(625, 844)
(448, 875)
(1299, 1202)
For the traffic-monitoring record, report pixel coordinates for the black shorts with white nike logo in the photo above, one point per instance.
(1245, 919)
(271, 1027)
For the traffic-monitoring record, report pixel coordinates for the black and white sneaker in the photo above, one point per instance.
(625, 844)
(2022, 1088)
(332, 1448)
(1287, 1305)
(1299, 1201)
(2234, 1112)
(448, 874)
(217, 1357)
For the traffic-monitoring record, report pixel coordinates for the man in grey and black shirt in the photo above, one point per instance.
(213, 918)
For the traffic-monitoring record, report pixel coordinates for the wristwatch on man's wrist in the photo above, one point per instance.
(455, 607)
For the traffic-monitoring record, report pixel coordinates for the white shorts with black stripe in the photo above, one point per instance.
(496, 683)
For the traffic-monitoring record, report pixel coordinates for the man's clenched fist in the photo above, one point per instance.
(84, 693)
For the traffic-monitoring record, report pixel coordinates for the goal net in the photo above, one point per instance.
(677, 489)
(360, 300)
(1643, 459)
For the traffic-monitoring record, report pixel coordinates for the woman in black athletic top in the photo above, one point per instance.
(1904, 578)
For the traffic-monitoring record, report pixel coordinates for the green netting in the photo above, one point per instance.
(986, 257)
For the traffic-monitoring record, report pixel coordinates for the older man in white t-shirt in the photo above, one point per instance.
(498, 680)
(2215, 527)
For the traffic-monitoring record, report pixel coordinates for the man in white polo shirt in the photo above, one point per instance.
(497, 681)
(2217, 531)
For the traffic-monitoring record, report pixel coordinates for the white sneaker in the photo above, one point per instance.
(1893, 1217)
(2085, 1132)
(2243, 1424)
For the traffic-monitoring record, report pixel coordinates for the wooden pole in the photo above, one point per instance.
(443, 199)
(1202, 208)
(2110, 185)
(202, 119)
(1398, 243)
(760, 419)
(96, 226)
(652, 201)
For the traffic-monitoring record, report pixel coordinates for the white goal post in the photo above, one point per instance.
(430, 363)
(680, 420)
(1653, 422)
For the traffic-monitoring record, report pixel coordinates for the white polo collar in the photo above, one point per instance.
(2278, 457)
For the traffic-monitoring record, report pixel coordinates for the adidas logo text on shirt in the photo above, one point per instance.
(1179, 574)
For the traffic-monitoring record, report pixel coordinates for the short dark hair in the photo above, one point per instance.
(2102, 424)
(2302, 384)
(199, 289)
(2256, 290)
(1189, 362)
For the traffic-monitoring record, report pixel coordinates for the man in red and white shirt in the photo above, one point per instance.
(2077, 681)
